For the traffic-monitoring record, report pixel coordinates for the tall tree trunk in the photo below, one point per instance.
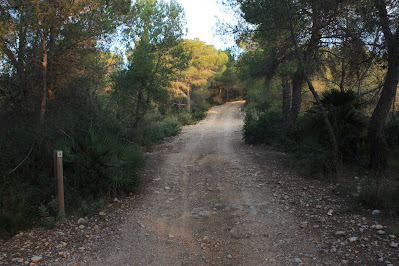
(51, 59)
(138, 109)
(377, 141)
(378, 144)
(44, 79)
(296, 103)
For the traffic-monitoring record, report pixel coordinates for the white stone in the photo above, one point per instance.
(393, 244)
(353, 239)
(381, 232)
(81, 221)
(375, 212)
(36, 259)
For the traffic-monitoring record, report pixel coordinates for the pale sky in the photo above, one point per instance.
(201, 21)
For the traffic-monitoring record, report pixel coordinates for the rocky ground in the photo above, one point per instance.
(207, 198)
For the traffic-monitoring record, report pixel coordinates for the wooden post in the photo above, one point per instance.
(58, 170)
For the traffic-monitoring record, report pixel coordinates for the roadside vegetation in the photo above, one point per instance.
(64, 86)
(321, 82)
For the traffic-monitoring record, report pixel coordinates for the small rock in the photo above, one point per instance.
(298, 260)
(340, 233)
(102, 213)
(353, 239)
(381, 232)
(393, 244)
(229, 256)
(20, 260)
(96, 228)
(304, 225)
(379, 227)
(167, 188)
(81, 227)
(81, 221)
(116, 200)
(36, 259)
(330, 212)
(375, 212)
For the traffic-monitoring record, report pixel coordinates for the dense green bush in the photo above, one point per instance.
(381, 194)
(26, 177)
(262, 128)
(152, 133)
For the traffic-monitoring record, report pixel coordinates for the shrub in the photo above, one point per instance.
(381, 194)
(97, 164)
(26, 177)
(155, 132)
(348, 120)
(310, 160)
(262, 128)
(197, 116)
(185, 118)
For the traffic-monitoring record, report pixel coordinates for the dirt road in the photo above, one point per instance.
(210, 202)
(207, 198)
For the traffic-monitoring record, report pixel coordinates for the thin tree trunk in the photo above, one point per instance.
(188, 99)
(138, 108)
(394, 106)
(51, 59)
(286, 96)
(44, 79)
(330, 130)
(343, 75)
(293, 113)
